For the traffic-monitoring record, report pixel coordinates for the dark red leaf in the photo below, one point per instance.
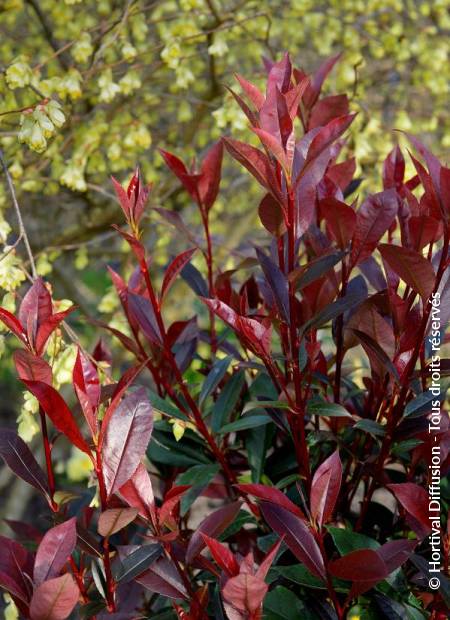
(87, 388)
(373, 219)
(54, 551)
(340, 219)
(329, 134)
(208, 185)
(414, 499)
(174, 269)
(21, 461)
(253, 93)
(162, 577)
(271, 215)
(272, 495)
(126, 439)
(36, 307)
(48, 326)
(141, 311)
(222, 556)
(394, 169)
(179, 169)
(297, 536)
(328, 109)
(59, 413)
(13, 324)
(411, 266)
(31, 367)
(212, 526)
(138, 493)
(54, 599)
(361, 565)
(325, 488)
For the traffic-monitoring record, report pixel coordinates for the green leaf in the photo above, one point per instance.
(263, 404)
(257, 442)
(422, 404)
(215, 376)
(298, 573)
(250, 421)
(227, 401)
(164, 406)
(165, 449)
(332, 410)
(347, 541)
(370, 426)
(282, 604)
(199, 476)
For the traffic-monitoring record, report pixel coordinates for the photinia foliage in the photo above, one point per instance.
(318, 470)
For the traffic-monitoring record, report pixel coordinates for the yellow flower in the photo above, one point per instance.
(82, 49)
(11, 275)
(18, 75)
(79, 466)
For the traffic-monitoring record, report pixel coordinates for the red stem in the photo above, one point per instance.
(48, 461)
(110, 585)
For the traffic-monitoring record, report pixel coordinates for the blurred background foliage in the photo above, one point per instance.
(90, 88)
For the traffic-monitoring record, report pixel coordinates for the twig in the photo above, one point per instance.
(22, 232)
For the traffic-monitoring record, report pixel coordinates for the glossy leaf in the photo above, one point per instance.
(59, 413)
(18, 457)
(54, 599)
(126, 439)
(115, 519)
(325, 488)
(54, 551)
(174, 268)
(411, 266)
(213, 525)
(297, 536)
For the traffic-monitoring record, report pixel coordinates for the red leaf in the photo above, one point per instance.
(318, 79)
(141, 310)
(396, 552)
(272, 495)
(212, 526)
(36, 307)
(363, 565)
(113, 520)
(17, 455)
(273, 146)
(394, 169)
(414, 500)
(174, 269)
(13, 324)
(87, 388)
(208, 185)
(31, 367)
(268, 560)
(411, 266)
(59, 413)
(54, 551)
(126, 439)
(256, 162)
(54, 599)
(297, 536)
(48, 327)
(245, 592)
(340, 219)
(179, 169)
(271, 215)
(342, 174)
(328, 109)
(325, 488)
(123, 198)
(222, 555)
(163, 578)
(138, 493)
(373, 219)
(329, 134)
(252, 92)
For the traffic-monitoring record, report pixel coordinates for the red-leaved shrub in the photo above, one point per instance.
(319, 470)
